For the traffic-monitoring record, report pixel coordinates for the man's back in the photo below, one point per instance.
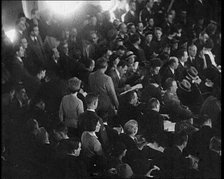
(103, 85)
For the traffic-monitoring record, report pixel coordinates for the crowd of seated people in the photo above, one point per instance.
(69, 108)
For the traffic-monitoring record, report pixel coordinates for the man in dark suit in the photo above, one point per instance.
(54, 63)
(20, 31)
(18, 71)
(199, 142)
(176, 165)
(173, 105)
(146, 12)
(35, 50)
(181, 69)
(169, 70)
(153, 121)
(103, 85)
(117, 76)
(131, 15)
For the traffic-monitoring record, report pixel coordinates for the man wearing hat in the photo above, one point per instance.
(194, 97)
(173, 105)
(71, 106)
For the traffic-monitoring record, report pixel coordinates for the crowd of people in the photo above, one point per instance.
(69, 109)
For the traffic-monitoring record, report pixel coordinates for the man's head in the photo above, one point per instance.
(135, 39)
(20, 93)
(34, 30)
(140, 26)
(148, 36)
(123, 28)
(20, 25)
(192, 50)
(203, 37)
(34, 14)
(90, 64)
(173, 62)
(122, 67)
(72, 146)
(155, 66)
(91, 100)
(131, 127)
(131, 28)
(132, 5)
(154, 104)
(151, 22)
(19, 51)
(55, 54)
(101, 64)
(94, 37)
(132, 98)
(120, 51)
(182, 55)
(41, 73)
(24, 42)
(158, 33)
(181, 139)
(169, 18)
(149, 3)
(171, 85)
(65, 49)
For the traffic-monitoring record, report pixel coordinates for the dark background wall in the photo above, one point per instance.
(10, 11)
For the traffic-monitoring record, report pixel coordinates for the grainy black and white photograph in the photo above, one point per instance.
(111, 89)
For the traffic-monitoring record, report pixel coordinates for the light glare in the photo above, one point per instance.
(11, 34)
(63, 8)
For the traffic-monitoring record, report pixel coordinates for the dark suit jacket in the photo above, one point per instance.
(180, 72)
(153, 123)
(36, 52)
(130, 18)
(54, 67)
(118, 83)
(166, 73)
(103, 85)
(175, 108)
(199, 142)
(175, 164)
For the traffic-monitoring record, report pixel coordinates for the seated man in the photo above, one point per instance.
(175, 164)
(129, 108)
(173, 105)
(152, 82)
(153, 121)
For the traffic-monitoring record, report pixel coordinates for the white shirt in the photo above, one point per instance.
(118, 74)
(211, 56)
(93, 110)
(182, 63)
(172, 70)
(19, 58)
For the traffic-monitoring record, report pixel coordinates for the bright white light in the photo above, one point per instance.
(11, 34)
(63, 8)
(106, 5)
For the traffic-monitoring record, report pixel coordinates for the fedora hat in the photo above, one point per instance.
(185, 85)
(192, 72)
(129, 54)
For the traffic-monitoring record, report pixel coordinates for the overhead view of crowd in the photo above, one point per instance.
(138, 96)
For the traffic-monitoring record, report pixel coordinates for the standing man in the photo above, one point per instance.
(103, 85)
